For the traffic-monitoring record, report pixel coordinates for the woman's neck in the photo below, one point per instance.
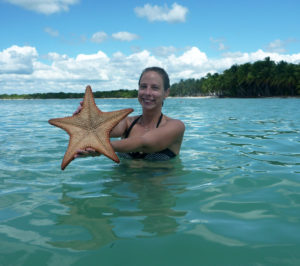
(149, 119)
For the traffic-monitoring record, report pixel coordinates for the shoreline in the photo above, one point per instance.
(179, 97)
(171, 97)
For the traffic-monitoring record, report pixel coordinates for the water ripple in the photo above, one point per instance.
(235, 184)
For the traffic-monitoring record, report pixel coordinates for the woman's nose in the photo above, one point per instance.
(148, 90)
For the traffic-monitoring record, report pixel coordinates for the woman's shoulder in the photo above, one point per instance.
(173, 120)
(175, 123)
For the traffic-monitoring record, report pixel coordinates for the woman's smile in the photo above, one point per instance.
(147, 101)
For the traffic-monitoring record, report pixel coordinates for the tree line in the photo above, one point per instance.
(263, 78)
(71, 95)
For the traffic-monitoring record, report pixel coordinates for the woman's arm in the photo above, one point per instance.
(119, 129)
(153, 141)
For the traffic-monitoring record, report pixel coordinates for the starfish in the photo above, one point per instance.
(90, 128)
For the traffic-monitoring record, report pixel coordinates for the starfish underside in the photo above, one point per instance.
(90, 129)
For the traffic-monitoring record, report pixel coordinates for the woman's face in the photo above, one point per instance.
(151, 92)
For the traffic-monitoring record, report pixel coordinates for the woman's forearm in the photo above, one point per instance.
(130, 145)
(125, 145)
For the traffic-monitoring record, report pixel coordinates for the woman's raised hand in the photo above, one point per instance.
(78, 108)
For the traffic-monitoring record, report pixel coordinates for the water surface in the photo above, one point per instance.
(231, 198)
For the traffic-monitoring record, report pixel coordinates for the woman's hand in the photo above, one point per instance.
(78, 109)
(88, 152)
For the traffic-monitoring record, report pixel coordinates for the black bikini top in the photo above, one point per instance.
(165, 154)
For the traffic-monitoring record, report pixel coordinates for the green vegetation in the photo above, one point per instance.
(263, 78)
(63, 95)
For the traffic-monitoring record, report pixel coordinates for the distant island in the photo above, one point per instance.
(263, 78)
(72, 95)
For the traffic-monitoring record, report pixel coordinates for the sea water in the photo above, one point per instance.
(232, 197)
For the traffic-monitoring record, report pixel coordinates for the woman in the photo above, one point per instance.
(152, 135)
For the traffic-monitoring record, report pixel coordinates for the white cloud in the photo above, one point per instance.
(125, 36)
(192, 57)
(51, 32)
(92, 57)
(276, 46)
(18, 60)
(99, 37)
(279, 46)
(56, 57)
(21, 71)
(45, 7)
(162, 13)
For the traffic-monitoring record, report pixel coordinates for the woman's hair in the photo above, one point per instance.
(164, 75)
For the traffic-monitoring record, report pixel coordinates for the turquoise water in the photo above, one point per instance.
(231, 198)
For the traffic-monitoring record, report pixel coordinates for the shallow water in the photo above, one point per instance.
(231, 198)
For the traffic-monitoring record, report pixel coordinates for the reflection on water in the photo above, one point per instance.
(137, 200)
(203, 231)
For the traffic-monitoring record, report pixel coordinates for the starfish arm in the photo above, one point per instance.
(91, 140)
(75, 144)
(102, 145)
(69, 123)
(90, 111)
(112, 118)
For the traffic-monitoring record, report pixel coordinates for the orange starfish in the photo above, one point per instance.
(90, 129)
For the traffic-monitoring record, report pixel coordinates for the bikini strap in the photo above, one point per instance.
(159, 120)
(127, 132)
(131, 126)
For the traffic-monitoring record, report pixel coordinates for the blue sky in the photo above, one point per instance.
(64, 45)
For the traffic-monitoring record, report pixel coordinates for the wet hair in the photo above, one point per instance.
(164, 75)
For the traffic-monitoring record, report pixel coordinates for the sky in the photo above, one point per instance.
(65, 45)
